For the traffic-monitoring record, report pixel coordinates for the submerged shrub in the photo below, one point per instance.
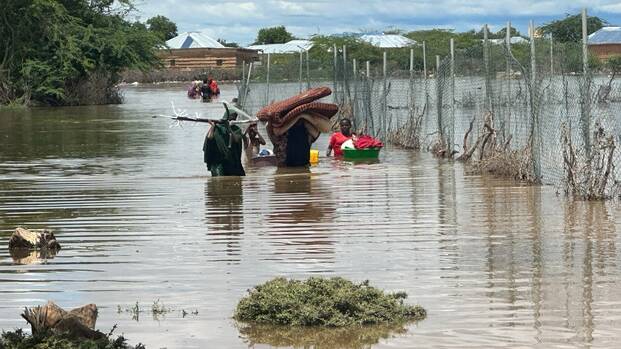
(18, 339)
(330, 302)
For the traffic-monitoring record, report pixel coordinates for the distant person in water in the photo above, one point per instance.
(209, 89)
(338, 138)
(206, 93)
(223, 147)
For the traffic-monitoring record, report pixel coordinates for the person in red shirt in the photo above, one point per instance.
(338, 138)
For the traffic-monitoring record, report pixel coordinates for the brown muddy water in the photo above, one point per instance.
(495, 263)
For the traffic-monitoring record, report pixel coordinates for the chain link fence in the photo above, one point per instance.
(537, 110)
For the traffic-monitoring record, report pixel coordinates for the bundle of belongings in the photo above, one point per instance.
(362, 142)
(295, 123)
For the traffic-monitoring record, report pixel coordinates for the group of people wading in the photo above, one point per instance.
(292, 126)
(206, 90)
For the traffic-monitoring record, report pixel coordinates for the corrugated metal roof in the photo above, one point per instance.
(292, 46)
(193, 40)
(606, 35)
(514, 40)
(388, 41)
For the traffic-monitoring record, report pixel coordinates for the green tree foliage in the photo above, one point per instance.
(501, 34)
(228, 44)
(569, 29)
(273, 35)
(52, 49)
(614, 64)
(163, 27)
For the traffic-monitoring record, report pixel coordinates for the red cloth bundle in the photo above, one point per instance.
(364, 142)
(275, 111)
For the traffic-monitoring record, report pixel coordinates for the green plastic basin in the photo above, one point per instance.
(368, 153)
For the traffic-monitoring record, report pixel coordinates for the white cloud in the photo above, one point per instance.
(240, 20)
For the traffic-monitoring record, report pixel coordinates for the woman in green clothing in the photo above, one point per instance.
(223, 147)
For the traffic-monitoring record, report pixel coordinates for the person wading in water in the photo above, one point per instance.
(338, 138)
(223, 147)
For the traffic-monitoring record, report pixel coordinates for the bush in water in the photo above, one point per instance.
(20, 340)
(330, 302)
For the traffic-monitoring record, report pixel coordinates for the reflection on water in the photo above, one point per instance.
(494, 263)
(25, 256)
(224, 212)
(300, 337)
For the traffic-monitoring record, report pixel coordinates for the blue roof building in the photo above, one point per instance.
(606, 42)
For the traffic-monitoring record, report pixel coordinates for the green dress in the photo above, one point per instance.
(223, 152)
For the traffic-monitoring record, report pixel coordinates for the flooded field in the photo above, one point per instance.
(494, 263)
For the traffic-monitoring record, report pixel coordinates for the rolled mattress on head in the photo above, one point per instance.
(325, 110)
(276, 111)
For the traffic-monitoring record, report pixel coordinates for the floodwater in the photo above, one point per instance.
(494, 263)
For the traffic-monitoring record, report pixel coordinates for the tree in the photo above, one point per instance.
(163, 27)
(228, 44)
(501, 34)
(69, 52)
(569, 29)
(273, 35)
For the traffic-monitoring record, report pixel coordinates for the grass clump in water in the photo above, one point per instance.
(18, 339)
(333, 302)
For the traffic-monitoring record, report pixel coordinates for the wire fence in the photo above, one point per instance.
(534, 110)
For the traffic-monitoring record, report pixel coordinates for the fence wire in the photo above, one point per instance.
(534, 96)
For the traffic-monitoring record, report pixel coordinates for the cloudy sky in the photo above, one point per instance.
(240, 20)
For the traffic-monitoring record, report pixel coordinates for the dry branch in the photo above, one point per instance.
(587, 174)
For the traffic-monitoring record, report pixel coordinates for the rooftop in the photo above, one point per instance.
(387, 40)
(193, 40)
(606, 35)
(293, 46)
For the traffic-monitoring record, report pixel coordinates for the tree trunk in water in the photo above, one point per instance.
(27, 239)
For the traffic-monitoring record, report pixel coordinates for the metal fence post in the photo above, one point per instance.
(336, 99)
(301, 63)
(426, 83)
(411, 88)
(385, 97)
(535, 130)
(355, 101)
(267, 90)
(507, 122)
(586, 94)
(439, 101)
(488, 92)
(451, 133)
(346, 95)
(369, 113)
(308, 84)
(551, 56)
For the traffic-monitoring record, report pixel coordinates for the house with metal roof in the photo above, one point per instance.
(197, 50)
(387, 40)
(605, 43)
(514, 40)
(293, 46)
(193, 40)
